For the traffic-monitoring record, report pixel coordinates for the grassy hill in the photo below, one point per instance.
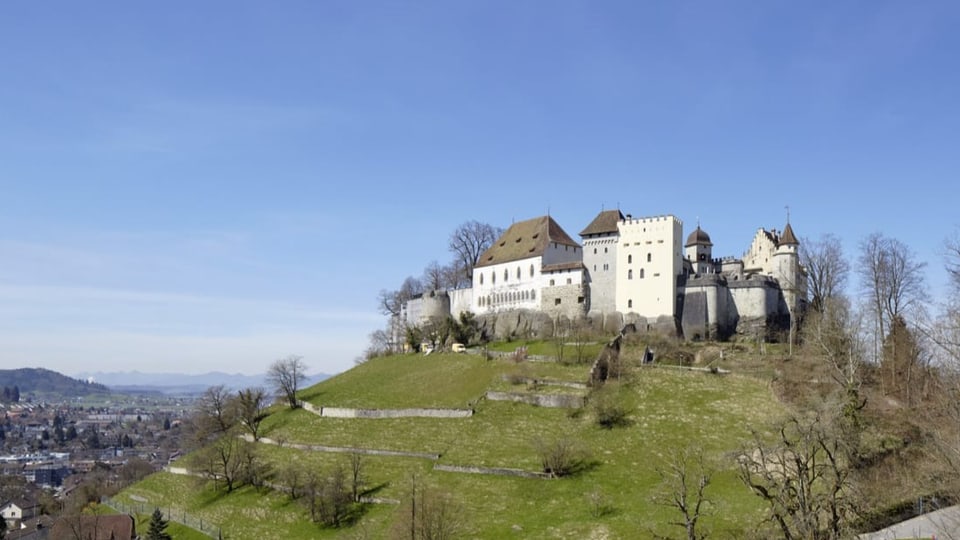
(613, 495)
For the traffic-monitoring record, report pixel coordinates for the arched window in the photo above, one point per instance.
(629, 259)
(481, 278)
(594, 251)
(648, 257)
(641, 273)
(518, 272)
(493, 278)
(630, 273)
(531, 270)
(506, 275)
(629, 303)
(533, 294)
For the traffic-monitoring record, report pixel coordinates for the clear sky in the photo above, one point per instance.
(199, 186)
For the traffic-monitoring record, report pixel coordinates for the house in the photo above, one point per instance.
(91, 527)
(16, 511)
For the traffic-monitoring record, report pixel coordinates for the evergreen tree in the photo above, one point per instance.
(6, 393)
(158, 527)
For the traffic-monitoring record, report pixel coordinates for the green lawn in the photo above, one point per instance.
(670, 410)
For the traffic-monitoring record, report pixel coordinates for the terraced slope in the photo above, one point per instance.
(670, 410)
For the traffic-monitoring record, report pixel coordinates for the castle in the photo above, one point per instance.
(630, 271)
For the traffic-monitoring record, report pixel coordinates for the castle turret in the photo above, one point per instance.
(787, 269)
(698, 250)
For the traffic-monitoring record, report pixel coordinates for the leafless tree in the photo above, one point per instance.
(428, 514)
(391, 302)
(803, 478)
(434, 277)
(286, 375)
(216, 411)
(827, 269)
(836, 334)
(892, 282)
(252, 409)
(684, 481)
(560, 456)
(224, 460)
(356, 475)
(469, 241)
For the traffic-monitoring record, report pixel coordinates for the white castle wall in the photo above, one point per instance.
(649, 259)
(461, 300)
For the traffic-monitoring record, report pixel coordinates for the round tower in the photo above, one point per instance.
(787, 268)
(698, 250)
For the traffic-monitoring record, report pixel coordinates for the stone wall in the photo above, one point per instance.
(499, 471)
(344, 412)
(568, 301)
(558, 401)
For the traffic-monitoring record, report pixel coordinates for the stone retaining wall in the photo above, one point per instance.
(348, 450)
(534, 381)
(345, 412)
(558, 401)
(498, 471)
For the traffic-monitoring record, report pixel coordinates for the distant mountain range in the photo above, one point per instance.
(45, 381)
(181, 383)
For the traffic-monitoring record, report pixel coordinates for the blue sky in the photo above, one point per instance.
(198, 186)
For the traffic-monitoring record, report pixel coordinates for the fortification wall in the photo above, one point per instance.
(568, 301)
(461, 301)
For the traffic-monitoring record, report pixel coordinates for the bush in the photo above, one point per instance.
(560, 457)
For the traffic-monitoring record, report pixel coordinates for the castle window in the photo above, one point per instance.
(703, 256)
(649, 256)
(531, 270)
(518, 272)
(481, 278)
(551, 283)
(641, 273)
(630, 273)
(579, 299)
(493, 278)
(594, 268)
(595, 251)
(506, 275)
(533, 294)
(569, 281)
(556, 301)
(629, 303)
(629, 259)
(604, 250)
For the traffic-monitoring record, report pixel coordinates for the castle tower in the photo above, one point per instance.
(698, 251)
(600, 239)
(787, 269)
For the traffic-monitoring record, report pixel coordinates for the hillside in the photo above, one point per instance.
(613, 493)
(47, 383)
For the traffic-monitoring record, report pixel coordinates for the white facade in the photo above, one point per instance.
(509, 285)
(648, 262)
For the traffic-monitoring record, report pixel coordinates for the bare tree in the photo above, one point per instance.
(827, 269)
(684, 480)
(286, 375)
(469, 241)
(391, 302)
(429, 514)
(952, 247)
(434, 277)
(892, 282)
(216, 411)
(252, 409)
(803, 478)
(356, 475)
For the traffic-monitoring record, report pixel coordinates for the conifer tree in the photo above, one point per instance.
(158, 527)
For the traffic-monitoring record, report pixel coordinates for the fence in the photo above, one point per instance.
(170, 514)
